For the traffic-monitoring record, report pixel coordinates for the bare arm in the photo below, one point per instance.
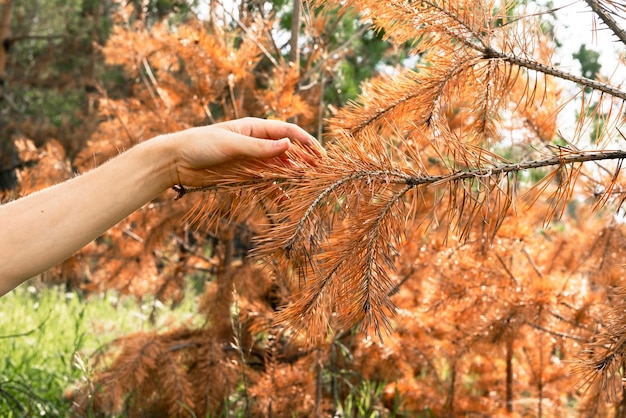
(43, 229)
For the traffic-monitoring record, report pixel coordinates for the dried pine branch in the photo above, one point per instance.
(337, 222)
(601, 368)
(605, 15)
(555, 72)
(458, 39)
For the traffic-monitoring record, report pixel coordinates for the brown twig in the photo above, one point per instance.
(608, 20)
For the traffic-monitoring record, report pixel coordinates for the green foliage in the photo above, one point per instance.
(47, 336)
(52, 62)
(588, 59)
(369, 52)
(153, 11)
(40, 334)
(58, 108)
(368, 55)
(48, 42)
(365, 51)
(364, 401)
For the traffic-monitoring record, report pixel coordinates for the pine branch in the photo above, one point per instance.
(490, 53)
(569, 158)
(359, 250)
(261, 183)
(372, 278)
(608, 20)
(452, 15)
(601, 370)
(557, 333)
(431, 87)
(253, 38)
(321, 198)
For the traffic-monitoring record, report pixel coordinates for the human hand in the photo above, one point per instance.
(194, 150)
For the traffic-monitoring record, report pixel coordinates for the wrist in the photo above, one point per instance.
(160, 156)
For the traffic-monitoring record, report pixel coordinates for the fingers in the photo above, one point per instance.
(242, 146)
(245, 146)
(275, 129)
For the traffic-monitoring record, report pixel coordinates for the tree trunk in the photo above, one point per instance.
(5, 31)
(509, 374)
(622, 407)
(91, 14)
(9, 160)
(294, 54)
(449, 405)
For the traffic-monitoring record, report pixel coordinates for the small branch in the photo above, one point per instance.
(128, 231)
(557, 333)
(268, 31)
(396, 288)
(568, 321)
(399, 177)
(571, 158)
(532, 263)
(4, 96)
(608, 20)
(147, 82)
(14, 39)
(359, 175)
(155, 83)
(507, 270)
(489, 53)
(253, 38)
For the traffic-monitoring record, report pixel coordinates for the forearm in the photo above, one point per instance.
(43, 229)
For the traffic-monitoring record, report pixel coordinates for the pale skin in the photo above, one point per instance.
(43, 229)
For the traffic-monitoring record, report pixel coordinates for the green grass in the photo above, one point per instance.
(47, 336)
